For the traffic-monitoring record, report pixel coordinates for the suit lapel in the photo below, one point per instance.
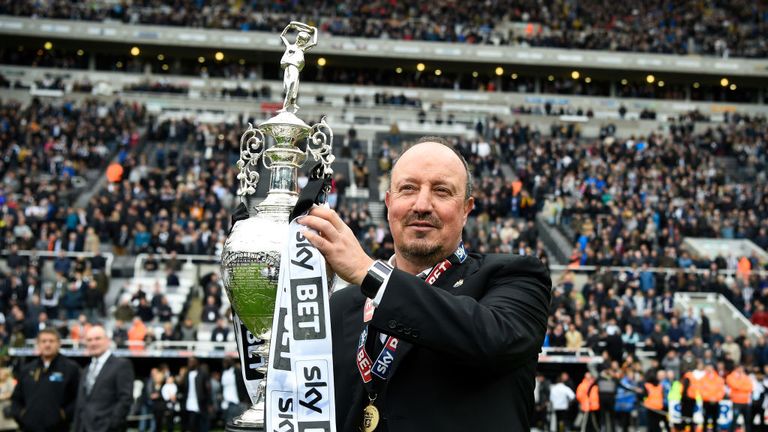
(102, 372)
(453, 279)
(448, 281)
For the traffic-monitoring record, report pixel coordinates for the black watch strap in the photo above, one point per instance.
(377, 274)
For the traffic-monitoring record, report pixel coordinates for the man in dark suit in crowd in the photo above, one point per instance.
(447, 341)
(195, 396)
(44, 398)
(106, 389)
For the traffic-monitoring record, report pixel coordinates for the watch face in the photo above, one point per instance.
(382, 268)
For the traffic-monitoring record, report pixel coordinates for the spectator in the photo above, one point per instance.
(44, 398)
(712, 392)
(170, 393)
(194, 396)
(210, 311)
(220, 332)
(561, 396)
(105, 391)
(124, 311)
(360, 171)
(187, 330)
(234, 396)
(741, 386)
(144, 310)
(589, 402)
(169, 334)
(573, 338)
(7, 385)
(136, 335)
(731, 350)
(164, 312)
(120, 334)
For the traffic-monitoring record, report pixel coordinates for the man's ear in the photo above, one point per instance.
(469, 204)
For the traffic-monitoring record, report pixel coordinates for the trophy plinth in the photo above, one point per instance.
(250, 260)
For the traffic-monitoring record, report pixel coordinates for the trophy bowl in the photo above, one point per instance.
(250, 268)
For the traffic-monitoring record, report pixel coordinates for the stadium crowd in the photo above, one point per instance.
(688, 27)
(49, 154)
(175, 196)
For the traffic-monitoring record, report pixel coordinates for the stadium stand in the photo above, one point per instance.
(686, 27)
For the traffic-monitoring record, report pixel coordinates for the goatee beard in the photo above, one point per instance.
(423, 253)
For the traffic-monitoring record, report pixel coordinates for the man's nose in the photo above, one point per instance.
(423, 203)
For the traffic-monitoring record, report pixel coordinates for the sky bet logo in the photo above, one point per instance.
(251, 359)
(311, 410)
(387, 356)
(307, 296)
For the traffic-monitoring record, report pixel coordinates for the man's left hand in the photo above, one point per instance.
(338, 244)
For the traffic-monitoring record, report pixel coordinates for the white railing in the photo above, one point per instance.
(569, 355)
(157, 349)
(666, 270)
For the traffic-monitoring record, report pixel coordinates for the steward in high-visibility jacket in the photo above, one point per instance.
(655, 398)
(712, 386)
(675, 392)
(587, 394)
(693, 390)
(654, 401)
(741, 387)
(674, 397)
(712, 392)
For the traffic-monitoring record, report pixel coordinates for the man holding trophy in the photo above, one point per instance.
(435, 339)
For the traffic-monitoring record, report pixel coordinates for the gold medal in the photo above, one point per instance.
(370, 415)
(370, 418)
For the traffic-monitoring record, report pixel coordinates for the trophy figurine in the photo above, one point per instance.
(250, 260)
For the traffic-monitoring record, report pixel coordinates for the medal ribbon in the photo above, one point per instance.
(383, 364)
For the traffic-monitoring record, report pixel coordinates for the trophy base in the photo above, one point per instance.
(231, 427)
(251, 420)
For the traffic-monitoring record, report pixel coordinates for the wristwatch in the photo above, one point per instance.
(377, 274)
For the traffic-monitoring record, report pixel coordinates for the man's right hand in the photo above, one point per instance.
(338, 244)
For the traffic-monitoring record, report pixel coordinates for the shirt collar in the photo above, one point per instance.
(103, 357)
(423, 274)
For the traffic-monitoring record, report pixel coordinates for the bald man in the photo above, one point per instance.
(105, 394)
(435, 338)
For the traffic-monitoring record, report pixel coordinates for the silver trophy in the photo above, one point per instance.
(250, 261)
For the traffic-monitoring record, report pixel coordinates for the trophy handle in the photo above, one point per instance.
(252, 145)
(319, 145)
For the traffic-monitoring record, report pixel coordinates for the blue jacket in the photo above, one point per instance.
(625, 398)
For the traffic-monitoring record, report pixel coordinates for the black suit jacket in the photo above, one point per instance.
(110, 400)
(44, 399)
(468, 347)
(202, 388)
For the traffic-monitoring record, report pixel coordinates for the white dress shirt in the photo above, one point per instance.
(192, 405)
(560, 395)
